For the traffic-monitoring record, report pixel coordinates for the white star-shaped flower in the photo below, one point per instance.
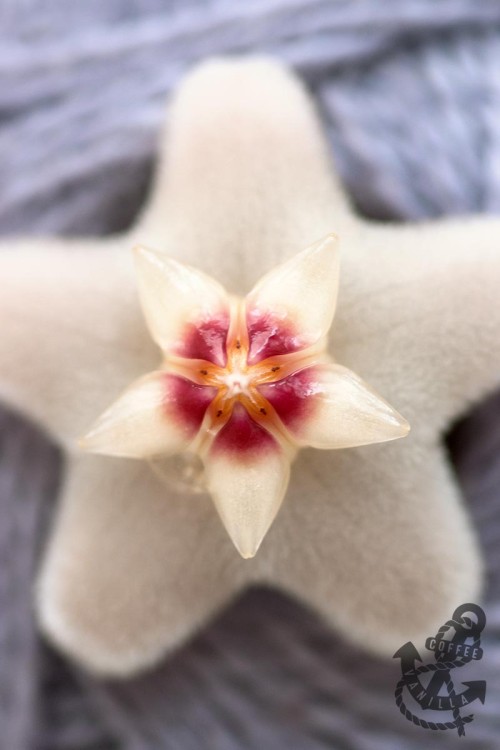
(244, 383)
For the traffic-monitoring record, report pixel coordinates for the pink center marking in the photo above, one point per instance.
(237, 363)
(292, 396)
(269, 335)
(189, 401)
(242, 435)
(206, 340)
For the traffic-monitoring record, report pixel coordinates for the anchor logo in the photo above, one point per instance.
(456, 643)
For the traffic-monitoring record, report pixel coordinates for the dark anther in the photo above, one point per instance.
(204, 372)
(219, 413)
(275, 369)
(262, 410)
(238, 344)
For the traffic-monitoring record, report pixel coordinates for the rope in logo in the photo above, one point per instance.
(444, 666)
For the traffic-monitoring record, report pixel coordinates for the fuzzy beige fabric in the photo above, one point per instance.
(375, 538)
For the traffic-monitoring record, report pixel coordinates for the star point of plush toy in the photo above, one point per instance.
(377, 539)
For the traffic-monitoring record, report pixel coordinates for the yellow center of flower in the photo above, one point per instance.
(238, 381)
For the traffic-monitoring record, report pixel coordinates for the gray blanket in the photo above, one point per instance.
(410, 96)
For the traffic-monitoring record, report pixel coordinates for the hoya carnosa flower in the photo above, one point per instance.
(244, 383)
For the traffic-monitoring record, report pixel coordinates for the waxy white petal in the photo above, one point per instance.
(173, 295)
(247, 483)
(145, 421)
(303, 291)
(334, 408)
(248, 497)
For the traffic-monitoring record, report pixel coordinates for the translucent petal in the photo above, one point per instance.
(329, 406)
(247, 475)
(181, 472)
(159, 414)
(301, 293)
(186, 311)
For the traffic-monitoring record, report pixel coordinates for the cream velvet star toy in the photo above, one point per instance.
(376, 538)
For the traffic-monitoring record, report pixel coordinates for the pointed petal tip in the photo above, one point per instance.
(247, 555)
(326, 250)
(331, 239)
(139, 250)
(99, 438)
(83, 444)
(397, 426)
(247, 532)
(97, 442)
(246, 544)
(152, 255)
(94, 441)
(404, 427)
(147, 257)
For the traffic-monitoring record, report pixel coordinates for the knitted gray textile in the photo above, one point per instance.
(410, 96)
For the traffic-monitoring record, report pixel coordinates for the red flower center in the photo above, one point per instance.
(238, 358)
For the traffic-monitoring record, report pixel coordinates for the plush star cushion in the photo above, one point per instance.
(375, 538)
